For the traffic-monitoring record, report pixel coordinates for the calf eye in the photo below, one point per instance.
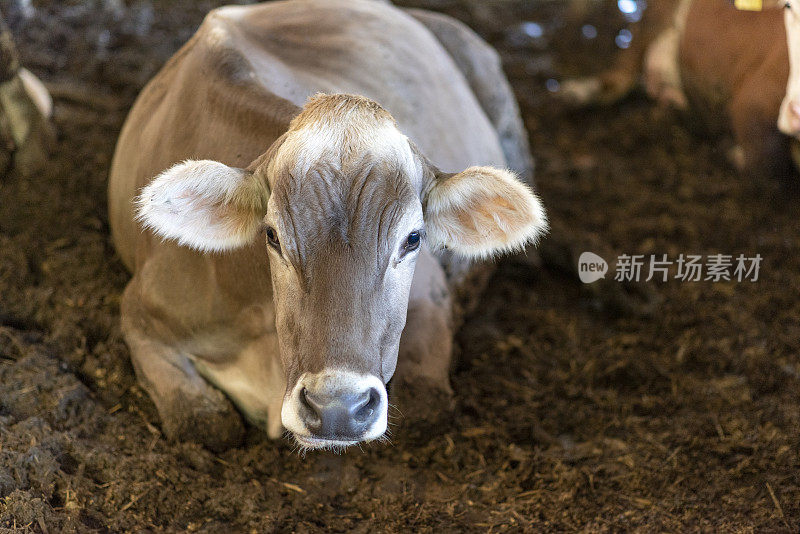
(412, 241)
(272, 238)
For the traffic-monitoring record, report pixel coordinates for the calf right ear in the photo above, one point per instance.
(482, 211)
(204, 204)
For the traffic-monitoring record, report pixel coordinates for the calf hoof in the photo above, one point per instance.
(420, 400)
(211, 421)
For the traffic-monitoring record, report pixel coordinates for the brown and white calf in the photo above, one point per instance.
(729, 67)
(294, 255)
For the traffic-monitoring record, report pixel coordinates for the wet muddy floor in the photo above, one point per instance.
(652, 406)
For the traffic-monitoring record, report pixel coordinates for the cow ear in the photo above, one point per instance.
(204, 205)
(481, 211)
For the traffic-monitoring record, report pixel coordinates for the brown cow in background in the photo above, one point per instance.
(717, 62)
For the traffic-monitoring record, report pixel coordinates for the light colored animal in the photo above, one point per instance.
(26, 107)
(293, 260)
(789, 117)
(726, 66)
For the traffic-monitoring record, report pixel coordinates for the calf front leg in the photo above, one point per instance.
(421, 384)
(190, 408)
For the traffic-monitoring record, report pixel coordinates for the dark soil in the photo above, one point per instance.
(648, 407)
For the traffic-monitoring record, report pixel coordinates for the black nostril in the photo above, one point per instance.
(365, 409)
(304, 399)
(311, 412)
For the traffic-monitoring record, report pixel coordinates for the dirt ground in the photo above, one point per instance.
(658, 406)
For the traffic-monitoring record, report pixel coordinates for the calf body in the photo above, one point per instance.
(302, 266)
(728, 67)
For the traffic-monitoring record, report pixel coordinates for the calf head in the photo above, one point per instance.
(346, 202)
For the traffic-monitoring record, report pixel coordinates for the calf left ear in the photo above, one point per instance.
(482, 211)
(205, 205)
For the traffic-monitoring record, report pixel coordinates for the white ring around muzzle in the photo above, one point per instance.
(333, 383)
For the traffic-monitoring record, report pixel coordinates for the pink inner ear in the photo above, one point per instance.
(490, 218)
(482, 211)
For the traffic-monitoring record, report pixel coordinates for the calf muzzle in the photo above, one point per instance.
(345, 416)
(335, 408)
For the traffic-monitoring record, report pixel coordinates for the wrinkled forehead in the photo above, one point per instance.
(339, 182)
(362, 191)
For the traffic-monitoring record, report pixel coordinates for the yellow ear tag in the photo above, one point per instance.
(749, 5)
